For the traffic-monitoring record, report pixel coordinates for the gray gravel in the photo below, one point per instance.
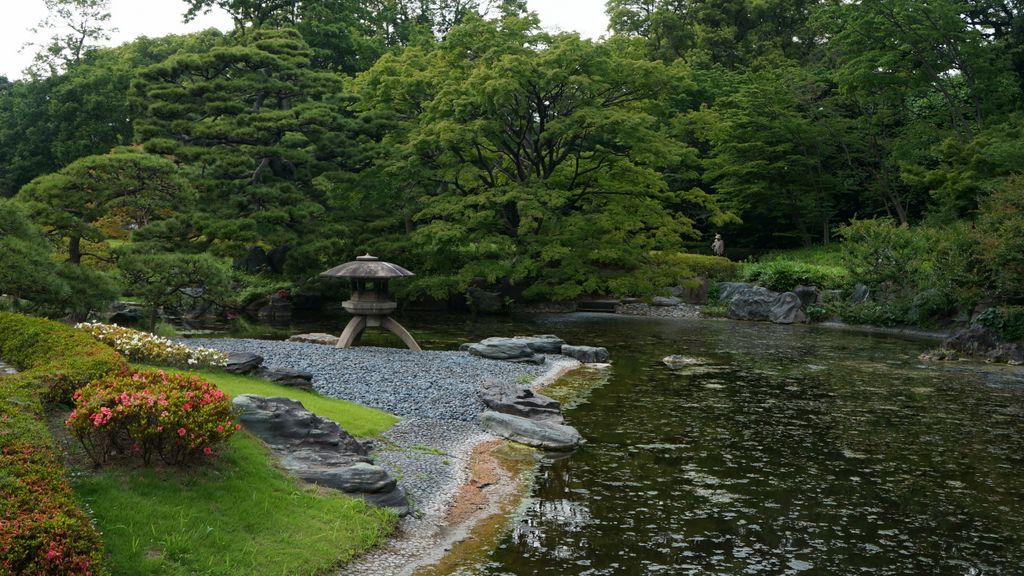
(425, 384)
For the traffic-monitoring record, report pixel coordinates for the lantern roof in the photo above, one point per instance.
(368, 267)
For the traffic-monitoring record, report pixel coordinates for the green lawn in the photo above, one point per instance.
(236, 513)
(359, 420)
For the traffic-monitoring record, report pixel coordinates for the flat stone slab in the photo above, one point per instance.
(243, 362)
(516, 400)
(500, 349)
(315, 338)
(544, 435)
(286, 377)
(318, 450)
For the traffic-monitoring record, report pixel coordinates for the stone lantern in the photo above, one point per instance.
(370, 304)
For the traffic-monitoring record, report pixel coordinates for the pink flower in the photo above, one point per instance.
(207, 450)
(187, 406)
(238, 426)
(52, 553)
(181, 431)
(220, 429)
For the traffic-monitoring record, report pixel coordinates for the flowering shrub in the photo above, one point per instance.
(175, 416)
(45, 532)
(141, 346)
(42, 530)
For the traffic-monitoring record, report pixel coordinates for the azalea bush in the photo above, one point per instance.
(141, 346)
(178, 417)
(42, 528)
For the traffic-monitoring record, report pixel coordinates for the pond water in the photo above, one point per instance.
(793, 450)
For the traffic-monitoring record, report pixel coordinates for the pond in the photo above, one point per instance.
(793, 450)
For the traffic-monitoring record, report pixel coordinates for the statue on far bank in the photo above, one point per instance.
(718, 246)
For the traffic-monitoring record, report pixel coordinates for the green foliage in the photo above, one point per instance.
(136, 186)
(784, 275)
(44, 531)
(28, 270)
(173, 281)
(253, 123)
(1000, 237)
(178, 417)
(491, 168)
(882, 254)
(1006, 321)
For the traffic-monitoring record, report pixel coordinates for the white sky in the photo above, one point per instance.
(156, 18)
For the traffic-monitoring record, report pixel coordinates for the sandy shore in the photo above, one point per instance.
(481, 485)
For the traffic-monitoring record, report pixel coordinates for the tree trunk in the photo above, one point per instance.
(75, 250)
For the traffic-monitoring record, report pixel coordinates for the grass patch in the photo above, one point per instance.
(236, 515)
(358, 420)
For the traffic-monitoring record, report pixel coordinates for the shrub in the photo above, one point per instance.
(178, 417)
(1000, 236)
(42, 530)
(666, 269)
(882, 254)
(141, 346)
(784, 275)
(1006, 321)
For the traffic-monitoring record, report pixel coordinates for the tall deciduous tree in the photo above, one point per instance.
(515, 154)
(76, 27)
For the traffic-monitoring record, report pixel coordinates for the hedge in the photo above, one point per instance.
(42, 529)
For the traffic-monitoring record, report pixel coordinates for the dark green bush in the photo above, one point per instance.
(42, 530)
(1000, 236)
(882, 254)
(1006, 321)
(784, 275)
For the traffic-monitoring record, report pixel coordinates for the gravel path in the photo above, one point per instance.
(429, 450)
(425, 384)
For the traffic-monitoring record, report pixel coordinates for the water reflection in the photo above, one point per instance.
(794, 451)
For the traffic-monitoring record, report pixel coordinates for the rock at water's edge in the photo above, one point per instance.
(787, 309)
(500, 349)
(520, 401)
(586, 354)
(677, 361)
(546, 435)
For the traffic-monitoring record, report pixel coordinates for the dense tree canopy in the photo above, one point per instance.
(457, 136)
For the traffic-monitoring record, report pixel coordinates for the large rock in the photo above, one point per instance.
(317, 450)
(254, 261)
(315, 338)
(808, 295)
(586, 354)
(286, 377)
(509, 398)
(500, 348)
(243, 362)
(860, 293)
(787, 309)
(543, 343)
(539, 434)
(728, 290)
(752, 303)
